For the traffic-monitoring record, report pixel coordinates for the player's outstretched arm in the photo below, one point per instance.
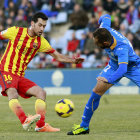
(116, 75)
(119, 73)
(105, 21)
(9, 33)
(65, 59)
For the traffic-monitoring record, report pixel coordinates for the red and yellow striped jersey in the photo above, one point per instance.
(21, 49)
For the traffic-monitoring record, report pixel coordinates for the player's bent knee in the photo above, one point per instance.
(101, 87)
(98, 91)
(41, 94)
(12, 93)
(44, 93)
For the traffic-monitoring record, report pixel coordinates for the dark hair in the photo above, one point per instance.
(39, 15)
(102, 35)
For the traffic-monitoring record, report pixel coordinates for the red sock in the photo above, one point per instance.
(40, 107)
(17, 109)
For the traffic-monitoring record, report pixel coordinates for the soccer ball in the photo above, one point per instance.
(64, 108)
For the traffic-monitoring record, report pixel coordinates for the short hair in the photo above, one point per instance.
(39, 15)
(102, 35)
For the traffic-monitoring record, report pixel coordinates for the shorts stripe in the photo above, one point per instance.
(3, 80)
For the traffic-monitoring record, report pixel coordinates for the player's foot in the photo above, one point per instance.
(78, 130)
(46, 128)
(30, 120)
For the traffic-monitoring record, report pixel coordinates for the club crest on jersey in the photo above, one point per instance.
(35, 45)
(9, 82)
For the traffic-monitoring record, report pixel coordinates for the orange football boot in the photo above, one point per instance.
(30, 120)
(46, 128)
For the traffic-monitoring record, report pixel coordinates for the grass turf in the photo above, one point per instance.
(117, 118)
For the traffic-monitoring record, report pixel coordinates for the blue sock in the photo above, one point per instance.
(90, 107)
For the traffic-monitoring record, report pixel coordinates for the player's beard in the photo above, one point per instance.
(40, 33)
(37, 34)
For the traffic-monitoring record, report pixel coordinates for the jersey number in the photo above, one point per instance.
(7, 77)
(107, 68)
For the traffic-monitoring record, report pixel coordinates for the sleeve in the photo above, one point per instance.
(118, 73)
(8, 34)
(105, 21)
(122, 53)
(45, 46)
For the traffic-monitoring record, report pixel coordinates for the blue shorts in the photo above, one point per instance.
(133, 74)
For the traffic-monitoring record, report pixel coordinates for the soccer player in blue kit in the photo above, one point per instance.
(123, 63)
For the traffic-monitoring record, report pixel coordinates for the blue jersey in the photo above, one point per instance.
(121, 50)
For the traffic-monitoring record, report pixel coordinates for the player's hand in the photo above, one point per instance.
(79, 60)
(102, 79)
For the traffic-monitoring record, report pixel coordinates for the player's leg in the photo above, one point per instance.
(90, 107)
(14, 104)
(40, 107)
(9, 82)
(93, 102)
(18, 110)
(40, 104)
(29, 88)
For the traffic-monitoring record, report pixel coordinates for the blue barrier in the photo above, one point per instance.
(75, 81)
(78, 81)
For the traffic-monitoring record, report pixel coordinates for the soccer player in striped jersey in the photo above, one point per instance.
(123, 63)
(23, 45)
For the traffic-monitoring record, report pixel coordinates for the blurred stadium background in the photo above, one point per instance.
(70, 26)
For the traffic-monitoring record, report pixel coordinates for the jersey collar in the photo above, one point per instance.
(113, 43)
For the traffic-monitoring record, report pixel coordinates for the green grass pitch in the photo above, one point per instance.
(117, 118)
